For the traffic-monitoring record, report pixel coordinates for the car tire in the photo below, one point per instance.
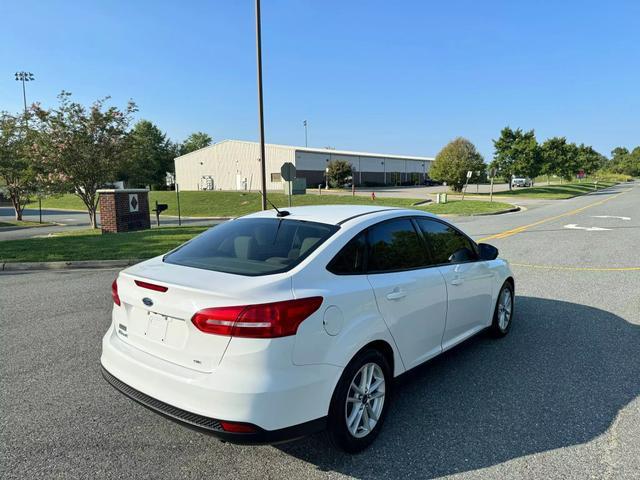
(503, 312)
(351, 424)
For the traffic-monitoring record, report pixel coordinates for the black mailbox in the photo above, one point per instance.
(160, 207)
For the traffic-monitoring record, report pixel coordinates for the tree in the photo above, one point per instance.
(83, 147)
(339, 173)
(559, 158)
(454, 161)
(618, 153)
(149, 156)
(633, 165)
(625, 162)
(516, 153)
(194, 142)
(18, 169)
(589, 160)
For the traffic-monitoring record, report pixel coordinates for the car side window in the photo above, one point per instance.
(446, 244)
(350, 259)
(394, 245)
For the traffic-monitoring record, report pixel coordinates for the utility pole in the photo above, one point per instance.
(263, 172)
(306, 138)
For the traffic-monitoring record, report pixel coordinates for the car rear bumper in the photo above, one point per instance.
(258, 386)
(214, 426)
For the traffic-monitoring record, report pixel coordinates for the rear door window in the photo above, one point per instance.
(350, 260)
(253, 246)
(394, 245)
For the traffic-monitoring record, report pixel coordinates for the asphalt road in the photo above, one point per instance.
(557, 398)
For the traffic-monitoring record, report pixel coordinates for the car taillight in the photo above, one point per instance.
(114, 292)
(266, 320)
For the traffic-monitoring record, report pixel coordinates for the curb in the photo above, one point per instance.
(39, 225)
(510, 210)
(27, 266)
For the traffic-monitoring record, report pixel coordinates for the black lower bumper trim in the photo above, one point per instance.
(212, 425)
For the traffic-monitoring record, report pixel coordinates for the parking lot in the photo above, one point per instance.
(557, 398)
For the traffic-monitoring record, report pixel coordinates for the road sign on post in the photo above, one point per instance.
(469, 174)
(288, 173)
(492, 172)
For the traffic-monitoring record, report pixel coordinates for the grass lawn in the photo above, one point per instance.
(22, 223)
(233, 204)
(92, 245)
(554, 191)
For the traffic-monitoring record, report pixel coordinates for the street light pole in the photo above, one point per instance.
(24, 77)
(306, 142)
(263, 171)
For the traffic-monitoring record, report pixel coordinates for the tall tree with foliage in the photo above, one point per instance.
(84, 147)
(516, 153)
(18, 168)
(454, 161)
(625, 161)
(195, 141)
(559, 158)
(149, 156)
(589, 159)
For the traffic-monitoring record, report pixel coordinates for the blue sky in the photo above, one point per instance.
(391, 76)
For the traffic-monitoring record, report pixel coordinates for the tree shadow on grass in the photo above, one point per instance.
(558, 379)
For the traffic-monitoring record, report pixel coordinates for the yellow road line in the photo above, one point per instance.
(513, 231)
(585, 269)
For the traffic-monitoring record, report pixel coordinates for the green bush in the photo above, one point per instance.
(606, 176)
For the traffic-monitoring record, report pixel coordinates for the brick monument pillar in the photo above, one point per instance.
(124, 210)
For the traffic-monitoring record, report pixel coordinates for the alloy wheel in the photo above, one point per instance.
(365, 400)
(505, 307)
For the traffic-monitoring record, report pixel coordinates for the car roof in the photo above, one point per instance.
(333, 214)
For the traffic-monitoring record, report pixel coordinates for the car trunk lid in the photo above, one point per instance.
(159, 300)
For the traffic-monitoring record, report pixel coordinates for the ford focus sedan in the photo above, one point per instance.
(276, 325)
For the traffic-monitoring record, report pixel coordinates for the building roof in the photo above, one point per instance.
(328, 151)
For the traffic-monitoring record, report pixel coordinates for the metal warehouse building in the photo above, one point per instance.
(234, 165)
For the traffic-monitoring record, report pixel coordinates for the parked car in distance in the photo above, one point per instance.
(427, 182)
(521, 182)
(279, 324)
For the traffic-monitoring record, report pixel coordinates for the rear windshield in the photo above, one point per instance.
(252, 246)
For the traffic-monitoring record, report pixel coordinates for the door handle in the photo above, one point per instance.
(396, 295)
(457, 281)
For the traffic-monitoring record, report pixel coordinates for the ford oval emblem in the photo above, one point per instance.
(147, 301)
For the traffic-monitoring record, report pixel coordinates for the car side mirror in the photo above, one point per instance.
(487, 252)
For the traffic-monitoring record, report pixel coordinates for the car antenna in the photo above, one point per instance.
(281, 213)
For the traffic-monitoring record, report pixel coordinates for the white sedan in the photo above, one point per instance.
(276, 325)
